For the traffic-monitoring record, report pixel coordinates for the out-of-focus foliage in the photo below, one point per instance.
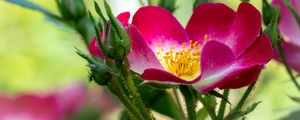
(35, 55)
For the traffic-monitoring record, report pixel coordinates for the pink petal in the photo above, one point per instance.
(159, 26)
(259, 53)
(256, 56)
(124, 17)
(94, 48)
(288, 24)
(6, 105)
(237, 30)
(292, 54)
(244, 78)
(158, 75)
(213, 19)
(141, 56)
(216, 59)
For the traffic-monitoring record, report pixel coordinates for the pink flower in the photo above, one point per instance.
(72, 98)
(48, 107)
(290, 29)
(29, 107)
(219, 47)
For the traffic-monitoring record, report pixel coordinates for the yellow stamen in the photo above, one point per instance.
(184, 63)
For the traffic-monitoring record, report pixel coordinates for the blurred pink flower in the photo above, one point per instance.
(290, 31)
(72, 98)
(219, 48)
(29, 107)
(53, 106)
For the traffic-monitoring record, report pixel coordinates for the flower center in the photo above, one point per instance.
(184, 62)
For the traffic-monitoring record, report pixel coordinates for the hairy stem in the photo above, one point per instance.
(190, 101)
(132, 90)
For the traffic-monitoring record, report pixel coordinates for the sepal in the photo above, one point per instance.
(99, 71)
(272, 28)
(267, 12)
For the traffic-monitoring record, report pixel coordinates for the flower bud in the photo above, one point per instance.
(118, 44)
(72, 9)
(100, 73)
(118, 41)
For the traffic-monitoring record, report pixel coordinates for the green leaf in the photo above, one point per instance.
(166, 105)
(201, 114)
(293, 10)
(160, 101)
(272, 29)
(295, 99)
(241, 113)
(209, 104)
(215, 93)
(158, 85)
(211, 101)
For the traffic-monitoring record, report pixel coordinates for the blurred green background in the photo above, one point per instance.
(38, 56)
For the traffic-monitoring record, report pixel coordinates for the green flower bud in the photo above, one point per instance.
(71, 9)
(117, 40)
(118, 44)
(100, 73)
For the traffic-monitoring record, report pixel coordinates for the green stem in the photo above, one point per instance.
(241, 102)
(210, 111)
(287, 67)
(223, 105)
(116, 88)
(178, 101)
(190, 101)
(132, 90)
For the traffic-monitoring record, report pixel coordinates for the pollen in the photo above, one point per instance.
(183, 62)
